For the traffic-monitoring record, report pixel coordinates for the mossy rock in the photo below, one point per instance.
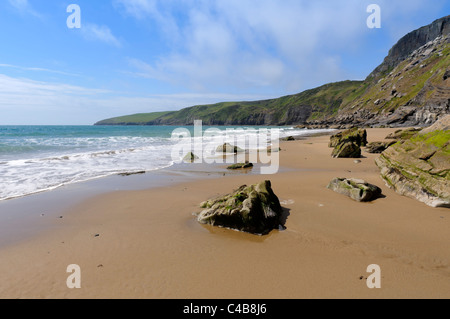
(240, 166)
(356, 135)
(356, 189)
(254, 209)
(346, 149)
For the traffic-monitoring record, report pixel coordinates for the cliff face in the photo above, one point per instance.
(411, 87)
(415, 92)
(409, 43)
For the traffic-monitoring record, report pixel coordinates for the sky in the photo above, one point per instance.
(139, 56)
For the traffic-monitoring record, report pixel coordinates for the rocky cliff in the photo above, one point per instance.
(409, 43)
(415, 92)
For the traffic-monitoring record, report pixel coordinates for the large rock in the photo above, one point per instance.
(356, 135)
(346, 149)
(356, 189)
(420, 167)
(254, 209)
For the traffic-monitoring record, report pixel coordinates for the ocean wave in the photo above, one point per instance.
(33, 164)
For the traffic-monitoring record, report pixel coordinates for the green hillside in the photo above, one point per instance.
(135, 119)
(317, 103)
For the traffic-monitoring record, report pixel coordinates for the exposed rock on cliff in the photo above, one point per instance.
(409, 43)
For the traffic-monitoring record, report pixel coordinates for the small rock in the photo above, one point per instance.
(356, 189)
(228, 148)
(190, 158)
(131, 173)
(240, 166)
(446, 75)
(357, 161)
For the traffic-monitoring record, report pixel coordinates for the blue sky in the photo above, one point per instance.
(133, 56)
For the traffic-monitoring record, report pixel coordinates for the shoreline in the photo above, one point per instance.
(150, 245)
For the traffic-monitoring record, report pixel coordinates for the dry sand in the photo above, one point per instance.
(149, 244)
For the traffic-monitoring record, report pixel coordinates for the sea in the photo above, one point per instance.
(35, 159)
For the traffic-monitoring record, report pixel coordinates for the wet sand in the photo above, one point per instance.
(147, 243)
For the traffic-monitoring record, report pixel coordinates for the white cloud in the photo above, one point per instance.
(245, 44)
(36, 69)
(19, 4)
(287, 45)
(155, 11)
(102, 33)
(24, 6)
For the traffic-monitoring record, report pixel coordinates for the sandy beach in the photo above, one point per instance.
(148, 244)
